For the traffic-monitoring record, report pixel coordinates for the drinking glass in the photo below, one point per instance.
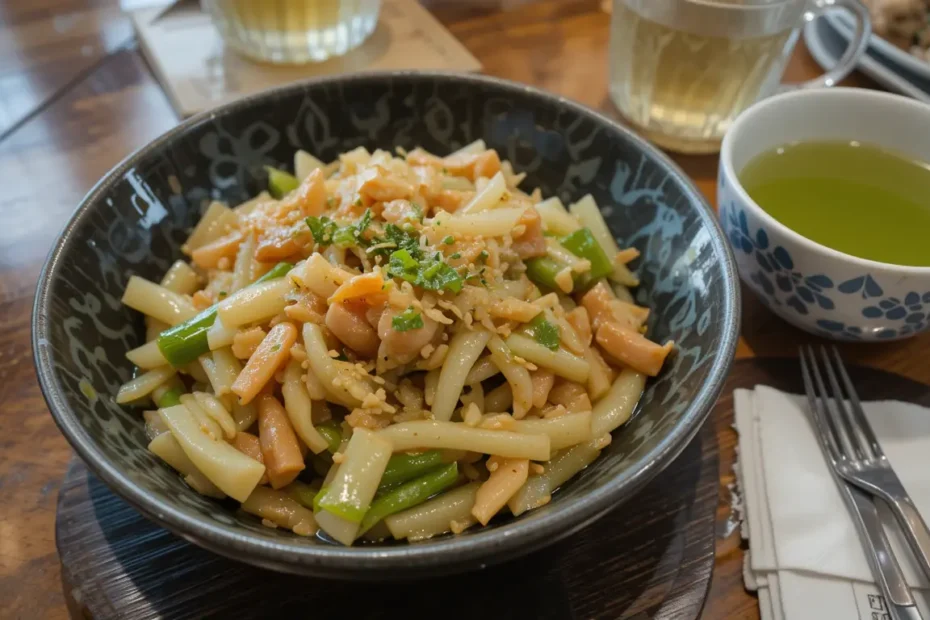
(682, 70)
(294, 31)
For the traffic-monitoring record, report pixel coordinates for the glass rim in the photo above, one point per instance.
(747, 5)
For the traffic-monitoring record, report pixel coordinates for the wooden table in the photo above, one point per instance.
(76, 97)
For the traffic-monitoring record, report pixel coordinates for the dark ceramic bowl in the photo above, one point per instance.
(135, 219)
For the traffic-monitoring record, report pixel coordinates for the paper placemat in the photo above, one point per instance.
(187, 54)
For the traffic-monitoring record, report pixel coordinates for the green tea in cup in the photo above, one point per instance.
(856, 198)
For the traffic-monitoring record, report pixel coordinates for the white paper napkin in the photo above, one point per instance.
(805, 558)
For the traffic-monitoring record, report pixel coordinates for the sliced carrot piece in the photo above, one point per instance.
(271, 354)
(281, 452)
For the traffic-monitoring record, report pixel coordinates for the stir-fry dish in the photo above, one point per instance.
(906, 23)
(390, 346)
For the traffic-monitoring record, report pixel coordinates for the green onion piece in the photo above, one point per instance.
(170, 398)
(543, 270)
(187, 341)
(318, 497)
(321, 463)
(544, 332)
(404, 467)
(582, 244)
(339, 507)
(409, 495)
(302, 493)
(278, 271)
(407, 320)
(332, 434)
(281, 183)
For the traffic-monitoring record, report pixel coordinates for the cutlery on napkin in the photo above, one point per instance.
(805, 558)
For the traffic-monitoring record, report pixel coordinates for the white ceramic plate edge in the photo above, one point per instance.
(814, 39)
(842, 23)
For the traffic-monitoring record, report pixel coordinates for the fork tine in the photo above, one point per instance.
(859, 415)
(839, 438)
(819, 418)
(845, 416)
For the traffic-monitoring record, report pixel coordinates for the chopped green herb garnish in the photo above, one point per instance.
(400, 239)
(455, 256)
(402, 262)
(276, 347)
(544, 332)
(327, 232)
(429, 273)
(448, 240)
(445, 170)
(344, 237)
(322, 228)
(417, 211)
(432, 270)
(355, 231)
(407, 320)
(223, 293)
(342, 357)
(331, 201)
(483, 256)
(358, 202)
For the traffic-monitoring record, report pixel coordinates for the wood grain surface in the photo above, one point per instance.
(653, 561)
(76, 97)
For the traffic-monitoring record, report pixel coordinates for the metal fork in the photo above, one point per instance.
(888, 574)
(863, 463)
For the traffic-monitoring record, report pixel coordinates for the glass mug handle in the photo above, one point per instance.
(857, 46)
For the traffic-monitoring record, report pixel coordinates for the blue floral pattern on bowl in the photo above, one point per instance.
(846, 308)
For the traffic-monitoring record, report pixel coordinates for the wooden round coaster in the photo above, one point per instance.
(652, 558)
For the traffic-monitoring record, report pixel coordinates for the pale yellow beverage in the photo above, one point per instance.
(294, 31)
(682, 70)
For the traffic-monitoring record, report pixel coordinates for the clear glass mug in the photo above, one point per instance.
(681, 71)
(293, 31)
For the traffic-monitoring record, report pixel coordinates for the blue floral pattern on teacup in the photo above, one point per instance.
(779, 284)
(776, 267)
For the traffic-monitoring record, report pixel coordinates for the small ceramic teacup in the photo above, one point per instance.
(816, 288)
